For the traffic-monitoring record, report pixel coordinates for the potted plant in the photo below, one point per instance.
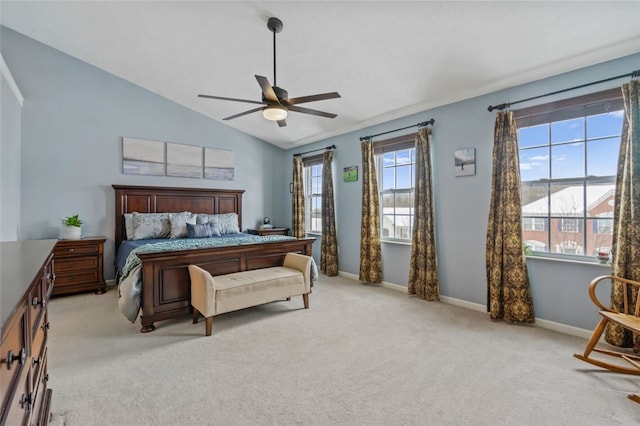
(71, 228)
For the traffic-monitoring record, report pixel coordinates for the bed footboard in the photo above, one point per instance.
(166, 286)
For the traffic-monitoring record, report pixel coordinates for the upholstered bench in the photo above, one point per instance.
(211, 296)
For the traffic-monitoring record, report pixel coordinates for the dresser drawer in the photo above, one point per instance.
(36, 302)
(40, 417)
(19, 407)
(81, 277)
(13, 352)
(48, 280)
(63, 249)
(38, 350)
(75, 263)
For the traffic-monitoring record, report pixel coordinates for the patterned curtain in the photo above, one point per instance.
(297, 212)
(370, 250)
(625, 248)
(423, 268)
(329, 242)
(509, 292)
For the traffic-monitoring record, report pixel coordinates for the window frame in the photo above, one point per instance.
(554, 112)
(308, 165)
(380, 148)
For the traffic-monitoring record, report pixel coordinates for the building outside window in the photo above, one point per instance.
(313, 193)
(534, 224)
(568, 163)
(395, 163)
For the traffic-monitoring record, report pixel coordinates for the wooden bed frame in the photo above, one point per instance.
(166, 289)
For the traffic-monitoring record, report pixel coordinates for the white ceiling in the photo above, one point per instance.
(387, 59)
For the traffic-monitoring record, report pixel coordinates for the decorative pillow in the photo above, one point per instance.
(214, 222)
(179, 222)
(151, 225)
(202, 230)
(128, 225)
(228, 223)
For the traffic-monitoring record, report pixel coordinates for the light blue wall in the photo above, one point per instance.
(73, 121)
(10, 124)
(462, 203)
(75, 115)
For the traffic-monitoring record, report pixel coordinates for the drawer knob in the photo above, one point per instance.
(35, 302)
(45, 379)
(11, 358)
(46, 326)
(25, 400)
(37, 361)
(51, 277)
(71, 250)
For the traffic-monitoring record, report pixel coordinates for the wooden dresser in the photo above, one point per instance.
(26, 283)
(79, 266)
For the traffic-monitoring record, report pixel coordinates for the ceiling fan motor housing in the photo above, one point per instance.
(280, 93)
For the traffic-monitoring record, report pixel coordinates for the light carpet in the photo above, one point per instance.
(361, 355)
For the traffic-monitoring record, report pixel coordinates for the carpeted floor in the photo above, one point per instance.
(361, 355)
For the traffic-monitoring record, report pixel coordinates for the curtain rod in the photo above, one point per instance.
(633, 74)
(423, 124)
(327, 148)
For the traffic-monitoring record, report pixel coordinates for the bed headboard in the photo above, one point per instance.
(162, 199)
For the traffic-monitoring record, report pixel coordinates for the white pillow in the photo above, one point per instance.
(179, 223)
(151, 225)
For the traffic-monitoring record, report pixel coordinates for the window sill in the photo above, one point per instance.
(586, 261)
(314, 233)
(398, 242)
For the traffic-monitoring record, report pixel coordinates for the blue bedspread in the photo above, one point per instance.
(130, 275)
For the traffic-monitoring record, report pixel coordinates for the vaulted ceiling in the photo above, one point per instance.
(387, 59)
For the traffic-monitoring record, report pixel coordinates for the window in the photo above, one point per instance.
(313, 192)
(534, 224)
(603, 225)
(395, 163)
(568, 163)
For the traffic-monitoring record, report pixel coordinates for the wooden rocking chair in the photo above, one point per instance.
(629, 319)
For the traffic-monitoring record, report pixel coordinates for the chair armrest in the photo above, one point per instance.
(302, 263)
(203, 291)
(594, 283)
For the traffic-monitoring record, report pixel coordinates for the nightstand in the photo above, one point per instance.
(269, 231)
(78, 265)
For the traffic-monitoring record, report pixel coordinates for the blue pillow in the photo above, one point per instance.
(199, 231)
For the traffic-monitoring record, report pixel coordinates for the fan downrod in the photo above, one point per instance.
(274, 25)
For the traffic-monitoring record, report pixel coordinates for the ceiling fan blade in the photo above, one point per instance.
(231, 99)
(267, 90)
(282, 123)
(311, 98)
(243, 113)
(311, 111)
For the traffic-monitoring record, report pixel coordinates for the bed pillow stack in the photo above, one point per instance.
(144, 226)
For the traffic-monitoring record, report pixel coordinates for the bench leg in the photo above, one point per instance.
(305, 298)
(209, 326)
(195, 315)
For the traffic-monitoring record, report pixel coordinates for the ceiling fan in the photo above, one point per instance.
(275, 100)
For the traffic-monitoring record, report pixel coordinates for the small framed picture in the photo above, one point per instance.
(465, 161)
(350, 174)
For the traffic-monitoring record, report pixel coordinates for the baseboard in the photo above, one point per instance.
(542, 323)
(110, 282)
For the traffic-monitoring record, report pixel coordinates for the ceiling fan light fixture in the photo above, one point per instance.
(275, 113)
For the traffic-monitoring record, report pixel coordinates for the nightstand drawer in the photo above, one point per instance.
(75, 263)
(83, 277)
(67, 249)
